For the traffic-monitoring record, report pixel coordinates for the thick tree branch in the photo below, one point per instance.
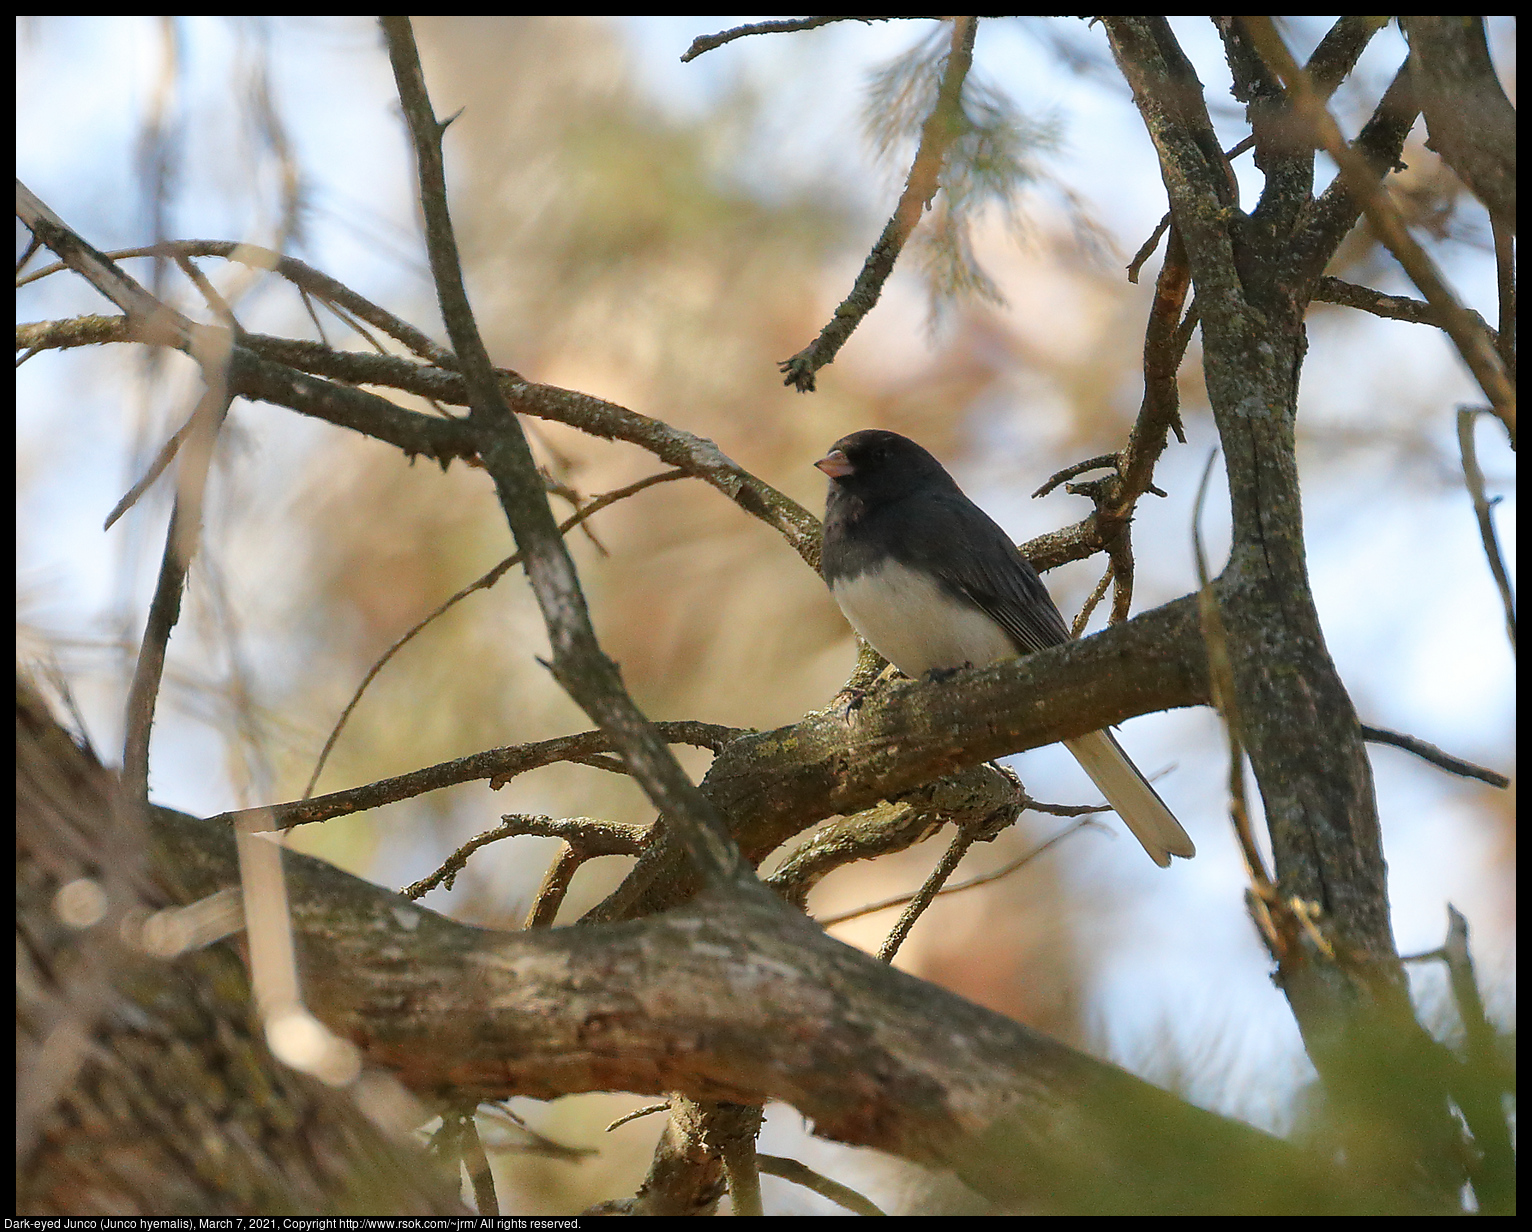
(1471, 122)
(727, 1001)
(579, 664)
(1197, 175)
(1340, 972)
(1381, 141)
(145, 1085)
(910, 734)
(924, 744)
(1364, 184)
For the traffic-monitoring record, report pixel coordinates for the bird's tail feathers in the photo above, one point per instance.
(1128, 791)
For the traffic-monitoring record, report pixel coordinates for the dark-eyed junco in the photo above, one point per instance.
(930, 581)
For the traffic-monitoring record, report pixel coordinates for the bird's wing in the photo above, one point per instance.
(978, 561)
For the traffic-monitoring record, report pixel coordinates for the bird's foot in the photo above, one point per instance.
(847, 702)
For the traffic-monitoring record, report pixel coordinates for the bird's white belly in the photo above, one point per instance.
(909, 620)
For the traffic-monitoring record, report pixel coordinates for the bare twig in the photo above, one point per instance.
(578, 664)
(156, 469)
(1078, 468)
(295, 1036)
(220, 306)
(1474, 478)
(1166, 337)
(483, 583)
(1146, 249)
(646, 1110)
(941, 128)
(1165, 341)
(165, 607)
(477, 1164)
(802, 1174)
(271, 369)
(707, 42)
(1221, 678)
(1394, 307)
(1471, 339)
(1481, 1088)
(737, 1151)
(1505, 281)
(1179, 342)
(1465, 985)
(335, 295)
(550, 894)
(590, 837)
(600, 761)
(537, 1142)
(1083, 619)
(456, 1142)
(1478, 1087)
(984, 798)
(149, 320)
(1119, 550)
(1429, 752)
(33, 244)
(498, 766)
(981, 879)
(923, 898)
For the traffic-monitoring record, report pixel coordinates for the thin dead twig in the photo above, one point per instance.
(1482, 506)
(707, 42)
(482, 583)
(1004, 870)
(1469, 335)
(498, 766)
(940, 130)
(1429, 752)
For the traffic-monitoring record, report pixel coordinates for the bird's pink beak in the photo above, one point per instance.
(835, 464)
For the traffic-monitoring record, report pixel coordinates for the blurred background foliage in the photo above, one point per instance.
(655, 255)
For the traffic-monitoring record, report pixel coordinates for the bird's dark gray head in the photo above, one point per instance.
(876, 465)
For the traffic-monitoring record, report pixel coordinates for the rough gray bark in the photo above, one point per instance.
(144, 1086)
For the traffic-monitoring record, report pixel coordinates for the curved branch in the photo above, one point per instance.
(1427, 751)
(1330, 290)
(280, 371)
(484, 582)
(728, 1001)
(497, 766)
(1196, 171)
(1471, 121)
(578, 663)
(1362, 182)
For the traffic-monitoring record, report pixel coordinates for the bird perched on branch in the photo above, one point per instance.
(933, 584)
